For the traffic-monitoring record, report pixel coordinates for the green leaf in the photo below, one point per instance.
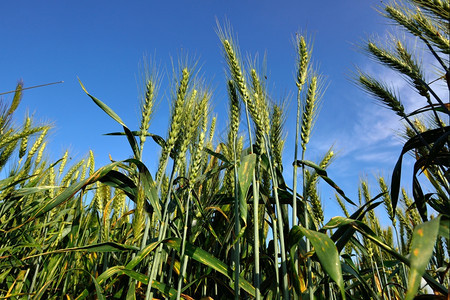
(133, 143)
(245, 174)
(218, 155)
(141, 255)
(121, 181)
(444, 228)
(33, 190)
(103, 106)
(345, 231)
(68, 193)
(131, 139)
(149, 186)
(422, 163)
(102, 247)
(367, 232)
(131, 293)
(350, 268)
(429, 137)
(422, 246)
(158, 139)
(207, 259)
(326, 252)
(323, 174)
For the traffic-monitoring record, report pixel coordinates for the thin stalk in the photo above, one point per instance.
(280, 223)
(294, 192)
(236, 210)
(405, 279)
(384, 270)
(306, 216)
(237, 227)
(256, 236)
(376, 268)
(294, 198)
(33, 280)
(384, 275)
(183, 246)
(172, 262)
(276, 251)
(161, 236)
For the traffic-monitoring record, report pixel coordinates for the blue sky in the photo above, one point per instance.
(103, 42)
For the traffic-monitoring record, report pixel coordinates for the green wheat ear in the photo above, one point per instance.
(212, 129)
(234, 112)
(24, 142)
(277, 119)
(197, 156)
(63, 162)
(16, 99)
(91, 163)
(387, 199)
(34, 149)
(147, 109)
(138, 223)
(342, 205)
(304, 56)
(310, 110)
(383, 93)
(118, 202)
(177, 116)
(65, 182)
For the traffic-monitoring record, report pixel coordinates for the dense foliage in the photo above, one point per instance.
(214, 220)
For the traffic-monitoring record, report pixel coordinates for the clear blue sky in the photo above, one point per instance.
(103, 42)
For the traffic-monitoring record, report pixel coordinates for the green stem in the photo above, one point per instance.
(280, 223)
(294, 197)
(161, 236)
(405, 279)
(306, 216)
(256, 236)
(183, 247)
(237, 227)
(276, 251)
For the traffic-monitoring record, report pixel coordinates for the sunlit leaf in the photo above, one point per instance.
(326, 252)
(421, 249)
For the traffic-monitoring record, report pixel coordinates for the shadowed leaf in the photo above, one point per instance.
(245, 174)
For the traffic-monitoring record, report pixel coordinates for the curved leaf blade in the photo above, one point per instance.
(327, 253)
(422, 246)
(207, 259)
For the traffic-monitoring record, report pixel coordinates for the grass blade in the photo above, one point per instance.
(327, 253)
(422, 246)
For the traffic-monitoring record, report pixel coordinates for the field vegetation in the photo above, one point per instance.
(217, 220)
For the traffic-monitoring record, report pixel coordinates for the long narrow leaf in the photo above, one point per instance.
(103, 106)
(207, 259)
(327, 253)
(323, 174)
(422, 245)
(429, 137)
(245, 176)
